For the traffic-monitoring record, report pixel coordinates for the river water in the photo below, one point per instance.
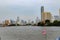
(29, 33)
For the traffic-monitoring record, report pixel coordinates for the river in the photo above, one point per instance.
(29, 33)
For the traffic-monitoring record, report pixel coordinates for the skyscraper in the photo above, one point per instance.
(42, 10)
(59, 12)
(17, 21)
(17, 18)
(37, 20)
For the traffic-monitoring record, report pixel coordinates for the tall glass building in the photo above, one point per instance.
(42, 10)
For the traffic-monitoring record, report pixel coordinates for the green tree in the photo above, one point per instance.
(47, 22)
(56, 23)
(40, 24)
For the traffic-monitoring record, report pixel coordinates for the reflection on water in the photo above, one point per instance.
(0, 38)
(28, 33)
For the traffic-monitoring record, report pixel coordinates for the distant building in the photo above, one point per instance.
(46, 16)
(29, 21)
(42, 10)
(18, 20)
(57, 18)
(7, 22)
(12, 22)
(37, 20)
(52, 19)
(59, 12)
(32, 22)
(23, 22)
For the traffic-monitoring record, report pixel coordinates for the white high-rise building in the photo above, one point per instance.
(37, 20)
(17, 21)
(59, 12)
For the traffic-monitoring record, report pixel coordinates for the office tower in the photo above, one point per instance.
(17, 18)
(42, 10)
(29, 21)
(32, 22)
(37, 20)
(59, 12)
(12, 22)
(46, 16)
(17, 21)
(22, 22)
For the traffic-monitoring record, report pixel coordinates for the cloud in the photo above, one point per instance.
(27, 7)
(24, 2)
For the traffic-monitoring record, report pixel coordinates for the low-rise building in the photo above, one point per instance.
(7, 22)
(57, 18)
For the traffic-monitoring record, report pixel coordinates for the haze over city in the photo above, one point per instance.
(27, 9)
(29, 19)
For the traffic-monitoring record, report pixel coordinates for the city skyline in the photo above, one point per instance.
(27, 9)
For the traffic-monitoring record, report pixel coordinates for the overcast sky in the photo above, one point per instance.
(27, 9)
